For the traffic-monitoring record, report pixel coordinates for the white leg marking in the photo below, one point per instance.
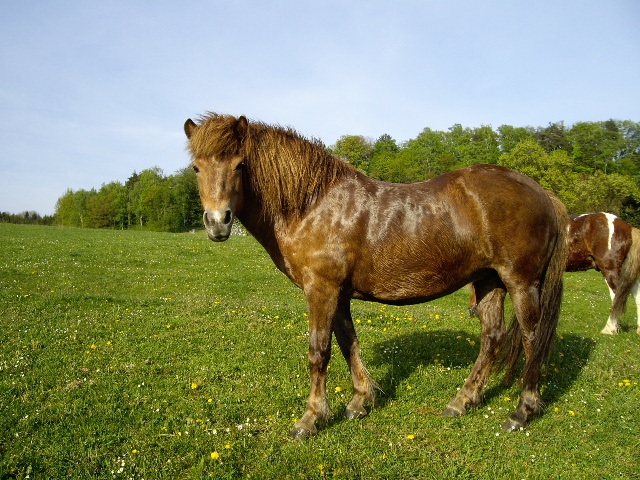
(612, 327)
(635, 291)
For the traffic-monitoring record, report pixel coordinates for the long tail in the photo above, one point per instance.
(550, 302)
(628, 275)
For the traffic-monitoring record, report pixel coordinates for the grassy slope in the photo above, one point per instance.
(145, 355)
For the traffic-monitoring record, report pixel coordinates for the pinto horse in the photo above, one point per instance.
(338, 234)
(611, 246)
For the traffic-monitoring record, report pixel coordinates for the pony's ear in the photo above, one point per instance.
(189, 127)
(241, 128)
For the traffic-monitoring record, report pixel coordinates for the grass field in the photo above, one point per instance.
(146, 355)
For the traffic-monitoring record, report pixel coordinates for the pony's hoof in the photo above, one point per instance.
(350, 414)
(300, 433)
(450, 412)
(512, 426)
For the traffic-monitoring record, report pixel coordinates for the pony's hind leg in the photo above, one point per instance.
(613, 324)
(527, 311)
(491, 312)
(636, 296)
(363, 385)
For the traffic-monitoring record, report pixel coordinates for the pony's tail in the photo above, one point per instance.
(628, 275)
(550, 303)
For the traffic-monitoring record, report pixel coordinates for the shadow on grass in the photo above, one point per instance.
(456, 349)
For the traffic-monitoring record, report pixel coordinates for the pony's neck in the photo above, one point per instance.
(263, 229)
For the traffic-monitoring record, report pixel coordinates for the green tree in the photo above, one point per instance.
(553, 137)
(187, 198)
(596, 145)
(146, 181)
(612, 193)
(553, 171)
(401, 167)
(160, 209)
(458, 141)
(430, 152)
(80, 205)
(484, 146)
(64, 210)
(629, 155)
(107, 208)
(355, 149)
(509, 136)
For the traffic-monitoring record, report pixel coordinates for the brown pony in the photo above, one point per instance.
(338, 235)
(611, 246)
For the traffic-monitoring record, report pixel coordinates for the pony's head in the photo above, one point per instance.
(276, 172)
(217, 161)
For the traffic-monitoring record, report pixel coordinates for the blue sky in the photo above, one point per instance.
(91, 91)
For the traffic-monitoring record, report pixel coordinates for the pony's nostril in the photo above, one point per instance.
(216, 217)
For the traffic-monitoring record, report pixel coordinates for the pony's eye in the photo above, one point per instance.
(240, 166)
(196, 169)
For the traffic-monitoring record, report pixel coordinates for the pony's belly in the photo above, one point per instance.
(407, 293)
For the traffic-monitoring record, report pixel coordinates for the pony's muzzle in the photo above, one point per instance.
(218, 224)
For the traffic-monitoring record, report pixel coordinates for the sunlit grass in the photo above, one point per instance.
(142, 355)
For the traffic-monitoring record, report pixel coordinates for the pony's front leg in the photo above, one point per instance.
(322, 309)
(363, 385)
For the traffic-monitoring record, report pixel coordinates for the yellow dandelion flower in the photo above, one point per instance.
(194, 385)
(215, 456)
(338, 389)
(572, 413)
(411, 436)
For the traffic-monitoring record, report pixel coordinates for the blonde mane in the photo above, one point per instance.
(286, 171)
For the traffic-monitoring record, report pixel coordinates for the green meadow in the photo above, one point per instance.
(128, 354)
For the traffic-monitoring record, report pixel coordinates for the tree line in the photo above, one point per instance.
(26, 218)
(591, 166)
(147, 200)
